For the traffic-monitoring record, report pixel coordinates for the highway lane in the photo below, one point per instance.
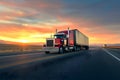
(115, 52)
(95, 64)
(12, 60)
(15, 60)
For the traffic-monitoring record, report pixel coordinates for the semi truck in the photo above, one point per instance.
(65, 41)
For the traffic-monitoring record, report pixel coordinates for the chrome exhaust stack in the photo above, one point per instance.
(68, 33)
(56, 30)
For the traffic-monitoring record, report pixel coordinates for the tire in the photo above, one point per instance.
(87, 48)
(61, 50)
(47, 52)
(75, 48)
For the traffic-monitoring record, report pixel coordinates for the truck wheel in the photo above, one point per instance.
(87, 48)
(75, 48)
(47, 52)
(61, 51)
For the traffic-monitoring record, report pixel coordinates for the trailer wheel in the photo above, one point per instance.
(61, 50)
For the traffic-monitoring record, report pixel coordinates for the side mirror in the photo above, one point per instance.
(44, 45)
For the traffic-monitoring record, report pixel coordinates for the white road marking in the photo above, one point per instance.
(111, 54)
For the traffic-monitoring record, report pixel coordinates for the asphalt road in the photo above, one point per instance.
(94, 64)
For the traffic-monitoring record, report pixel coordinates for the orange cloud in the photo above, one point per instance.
(38, 4)
(17, 33)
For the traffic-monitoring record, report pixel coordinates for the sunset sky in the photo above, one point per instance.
(31, 21)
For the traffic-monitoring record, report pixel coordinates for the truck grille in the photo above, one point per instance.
(49, 43)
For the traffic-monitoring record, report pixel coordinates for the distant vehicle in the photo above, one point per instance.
(65, 41)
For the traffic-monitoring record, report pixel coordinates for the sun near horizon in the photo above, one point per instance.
(23, 21)
(23, 41)
(28, 38)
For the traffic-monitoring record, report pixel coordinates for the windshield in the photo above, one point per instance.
(60, 36)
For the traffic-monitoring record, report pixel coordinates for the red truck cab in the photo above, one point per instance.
(60, 39)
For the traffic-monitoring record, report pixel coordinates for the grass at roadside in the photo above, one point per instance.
(18, 48)
(113, 47)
